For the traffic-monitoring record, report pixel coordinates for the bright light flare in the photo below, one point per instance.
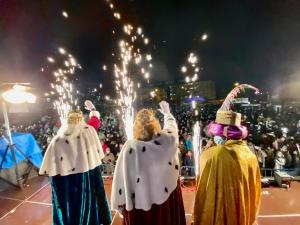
(65, 14)
(50, 59)
(148, 57)
(183, 69)
(117, 15)
(192, 58)
(194, 104)
(146, 41)
(139, 31)
(73, 62)
(147, 76)
(18, 94)
(62, 51)
(204, 37)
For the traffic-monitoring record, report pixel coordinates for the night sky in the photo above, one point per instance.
(254, 41)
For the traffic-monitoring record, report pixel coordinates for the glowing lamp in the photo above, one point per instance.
(18, 94)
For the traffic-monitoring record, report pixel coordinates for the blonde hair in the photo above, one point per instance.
(145, 125)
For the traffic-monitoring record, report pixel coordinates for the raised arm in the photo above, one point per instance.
(169, 120)
(94, 116)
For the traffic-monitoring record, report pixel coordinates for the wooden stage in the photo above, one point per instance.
(33, 205)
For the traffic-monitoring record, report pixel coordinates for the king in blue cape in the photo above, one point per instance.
(73, 161)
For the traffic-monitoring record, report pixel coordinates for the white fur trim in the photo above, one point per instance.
(72, 153)
(94, 113)
(148, 170)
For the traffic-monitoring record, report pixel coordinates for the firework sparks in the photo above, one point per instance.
(65, 14)
(197, 145)
(183, 69)
(204, 37)
(146, 41)
(131, 65)
(50, 59)
(62, 51)
(62, 88)
(191, 68)
(193, 104)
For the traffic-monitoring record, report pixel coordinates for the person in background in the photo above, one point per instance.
(108, 162)
(182, 151)
(109, 157)
(279, 161)
(189, 163)
(104, 146)
(189, 143)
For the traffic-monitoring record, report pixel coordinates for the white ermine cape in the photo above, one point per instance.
(75, 149)
(147, 171)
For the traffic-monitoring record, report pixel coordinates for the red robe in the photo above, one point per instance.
(94, 122)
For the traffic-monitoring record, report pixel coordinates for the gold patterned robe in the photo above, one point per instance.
(228, 187)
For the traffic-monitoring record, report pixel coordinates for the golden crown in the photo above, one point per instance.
(75, 116)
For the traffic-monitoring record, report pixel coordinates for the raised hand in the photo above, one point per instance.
(164, 107)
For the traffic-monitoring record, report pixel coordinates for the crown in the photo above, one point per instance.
(75, 116)
(228, 118)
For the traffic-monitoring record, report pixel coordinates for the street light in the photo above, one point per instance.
(19, 93)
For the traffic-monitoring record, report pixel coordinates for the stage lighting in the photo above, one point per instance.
(19, 94)
(15, 94)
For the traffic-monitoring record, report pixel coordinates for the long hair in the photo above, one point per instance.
(145, 125)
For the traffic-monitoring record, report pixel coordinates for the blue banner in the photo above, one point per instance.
(27, 144)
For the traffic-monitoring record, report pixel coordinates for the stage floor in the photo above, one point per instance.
(33, 206)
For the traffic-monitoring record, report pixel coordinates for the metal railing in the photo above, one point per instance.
(188, 172)
(268, 172)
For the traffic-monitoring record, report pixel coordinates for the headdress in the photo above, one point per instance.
(228, 122)
(225, 115)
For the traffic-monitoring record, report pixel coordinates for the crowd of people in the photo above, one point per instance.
(274, 134)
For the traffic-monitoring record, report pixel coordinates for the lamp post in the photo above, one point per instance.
(18, 94)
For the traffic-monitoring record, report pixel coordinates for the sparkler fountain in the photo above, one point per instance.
(62, 88)
(130, 66)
